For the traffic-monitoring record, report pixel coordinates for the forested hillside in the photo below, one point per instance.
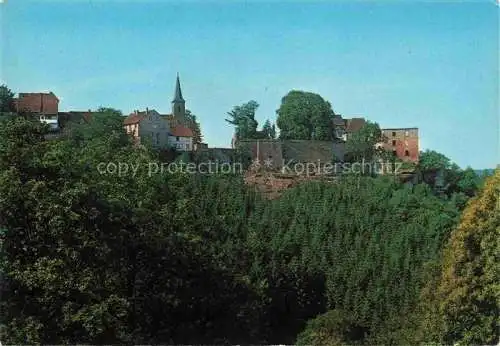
(202, 259)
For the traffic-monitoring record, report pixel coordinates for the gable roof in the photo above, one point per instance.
(181, 131)
(354, 124)
(133, 118)
(37, 102)
(137, 116)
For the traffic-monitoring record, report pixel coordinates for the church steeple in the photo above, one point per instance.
(178, 103)
(178, 92)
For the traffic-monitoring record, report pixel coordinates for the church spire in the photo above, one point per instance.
(178, 103)
(178, 92)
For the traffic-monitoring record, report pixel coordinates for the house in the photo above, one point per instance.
(44, 105)
(354, 125)
(148, 126)
(163, 130)
(343, 128)
(181, 137)
(403, 142)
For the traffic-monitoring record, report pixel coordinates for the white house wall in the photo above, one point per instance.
(181, 143)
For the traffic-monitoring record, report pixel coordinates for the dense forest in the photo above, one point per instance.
(202, 259)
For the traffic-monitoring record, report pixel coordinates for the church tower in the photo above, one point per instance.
(178, 104)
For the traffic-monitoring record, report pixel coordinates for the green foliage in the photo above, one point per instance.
(361, 145)
(92, 257)
(369, 238)
(447, 177)
(305, 115)
(105, 125)
(407, 165)
(469, 182)
(431, 160)
(110, 111)
(243, 118)
(194, 125)
(6, 100)
(268, 130)
(464, 293)
(333, 328)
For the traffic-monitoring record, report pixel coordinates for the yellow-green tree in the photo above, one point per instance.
(468, 291)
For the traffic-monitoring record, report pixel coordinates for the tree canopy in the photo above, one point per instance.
(268, 130)
(448, 176)
(304, 115)
(361, 145)
(462, 301)
(6, 100)
(96, 249)
(194, 126)
(243, 118)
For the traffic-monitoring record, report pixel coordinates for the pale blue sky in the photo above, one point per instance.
(399, 63)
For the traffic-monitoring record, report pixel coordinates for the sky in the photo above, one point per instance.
(431, 65)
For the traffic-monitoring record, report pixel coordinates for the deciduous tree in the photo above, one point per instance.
(361, 145)
(304, 115)
(6, 100)
(194, 126)
(243, 118)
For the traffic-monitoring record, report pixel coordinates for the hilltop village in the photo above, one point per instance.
(97, 257)
(179, 131)
(290, 185)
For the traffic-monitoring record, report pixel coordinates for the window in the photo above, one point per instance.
(157, 138)
(177, 139)
(393, 133)
(395, 153)
(407, 153)
(393, 143)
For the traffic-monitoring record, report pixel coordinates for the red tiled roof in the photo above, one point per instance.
(133, 118)
(37, 103)
(50, 93)
(177, 131)
(181, 131)
(354, 124)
